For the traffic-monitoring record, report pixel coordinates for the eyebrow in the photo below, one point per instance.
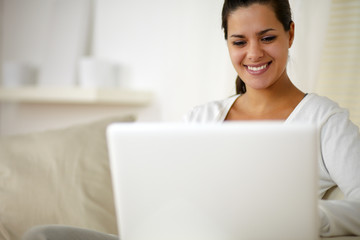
(257, 34)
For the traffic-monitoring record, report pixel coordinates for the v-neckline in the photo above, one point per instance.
(225, 112)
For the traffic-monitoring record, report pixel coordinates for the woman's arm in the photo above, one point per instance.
(340, 145)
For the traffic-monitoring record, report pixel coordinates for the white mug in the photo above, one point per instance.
(17, 74)
(97, 73)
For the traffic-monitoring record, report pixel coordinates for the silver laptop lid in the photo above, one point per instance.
(248, 180)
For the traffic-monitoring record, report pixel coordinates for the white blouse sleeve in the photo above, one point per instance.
(340, 145)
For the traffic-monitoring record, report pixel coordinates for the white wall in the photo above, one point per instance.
(311, 18)
(174, 48)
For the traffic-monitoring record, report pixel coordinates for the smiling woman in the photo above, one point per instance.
(258, 45)
(259, 34)
(281, 10)
(260, 48)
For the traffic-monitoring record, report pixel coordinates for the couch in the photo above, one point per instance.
(61, 177)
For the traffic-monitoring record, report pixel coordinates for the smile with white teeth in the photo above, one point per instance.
(257, 68)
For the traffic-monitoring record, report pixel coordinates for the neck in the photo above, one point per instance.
(281, 94)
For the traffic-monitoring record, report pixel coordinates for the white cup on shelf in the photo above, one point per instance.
(18, 74)
(97, 73)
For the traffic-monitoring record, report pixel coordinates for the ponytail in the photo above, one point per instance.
(240, 86)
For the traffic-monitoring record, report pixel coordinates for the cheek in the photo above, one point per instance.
(236, 56)
(280, 52)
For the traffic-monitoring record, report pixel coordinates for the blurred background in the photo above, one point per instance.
(65, 62)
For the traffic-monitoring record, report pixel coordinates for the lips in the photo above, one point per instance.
(258, 69)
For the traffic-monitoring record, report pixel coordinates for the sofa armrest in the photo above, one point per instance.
(57, 177)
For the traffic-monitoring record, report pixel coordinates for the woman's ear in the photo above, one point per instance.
(291, 34)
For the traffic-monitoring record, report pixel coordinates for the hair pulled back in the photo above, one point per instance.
(282, 12)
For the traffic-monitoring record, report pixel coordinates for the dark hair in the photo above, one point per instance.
(281, 9)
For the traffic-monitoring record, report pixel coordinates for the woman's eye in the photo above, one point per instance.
(239, 43)
(268, 39)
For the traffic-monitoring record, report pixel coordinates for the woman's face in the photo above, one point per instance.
(258, 45)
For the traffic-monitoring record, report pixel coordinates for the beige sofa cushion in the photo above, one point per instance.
(56, 177)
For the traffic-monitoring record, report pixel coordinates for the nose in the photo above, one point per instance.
(255, 52)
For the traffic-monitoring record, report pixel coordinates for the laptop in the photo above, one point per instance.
(228, 181)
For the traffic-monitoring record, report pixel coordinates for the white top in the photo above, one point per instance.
(340, 156)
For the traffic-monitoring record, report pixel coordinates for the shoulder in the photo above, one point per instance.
(337, 132)
(214, 111)
(317, 109)
(321, 104)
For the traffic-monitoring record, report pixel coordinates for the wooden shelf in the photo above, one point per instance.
(76, 95)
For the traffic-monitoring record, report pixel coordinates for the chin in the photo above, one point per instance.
(259, 85)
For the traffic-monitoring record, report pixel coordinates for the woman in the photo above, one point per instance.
(259, 34)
